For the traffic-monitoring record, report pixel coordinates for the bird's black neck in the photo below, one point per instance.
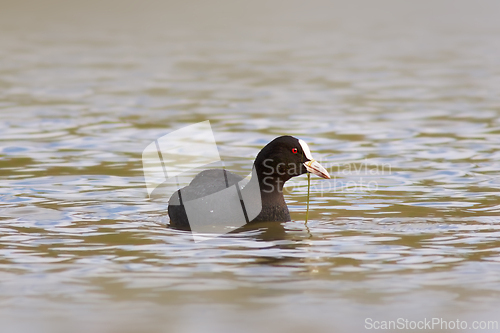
(273, 205)
(270, 181)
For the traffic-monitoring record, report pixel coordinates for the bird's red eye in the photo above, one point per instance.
(294, 150)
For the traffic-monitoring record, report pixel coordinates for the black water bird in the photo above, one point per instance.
(281, 159)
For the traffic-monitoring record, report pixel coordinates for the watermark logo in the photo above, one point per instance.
(347, 177)
(191, 148)
(429, 324)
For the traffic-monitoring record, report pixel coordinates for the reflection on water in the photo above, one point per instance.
(402, 108)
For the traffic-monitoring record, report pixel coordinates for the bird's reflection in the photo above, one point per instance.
(265, 231)
(262, 231)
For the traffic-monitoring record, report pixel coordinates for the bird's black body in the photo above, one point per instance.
(280, 160)
(205, 183)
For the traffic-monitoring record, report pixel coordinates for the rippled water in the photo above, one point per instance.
(401, 104)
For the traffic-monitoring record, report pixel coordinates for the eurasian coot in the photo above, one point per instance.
(281, 159)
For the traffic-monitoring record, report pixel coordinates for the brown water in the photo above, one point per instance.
(401, 103)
